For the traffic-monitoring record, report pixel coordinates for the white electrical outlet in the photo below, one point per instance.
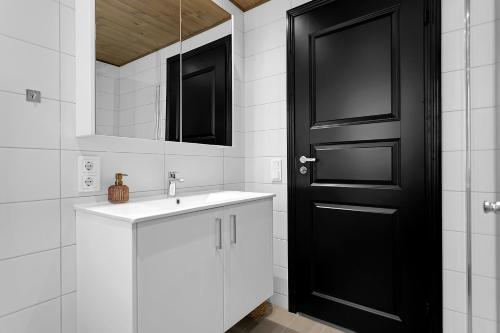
(89, 174)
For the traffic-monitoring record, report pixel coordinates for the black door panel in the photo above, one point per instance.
(358, 92)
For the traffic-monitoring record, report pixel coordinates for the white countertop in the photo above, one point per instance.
(145, 209)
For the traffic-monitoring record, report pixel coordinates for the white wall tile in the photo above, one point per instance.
(268, 90)
(453, 210)
(266, 143)
(484, 326)
(195, 170)
(453, 91)
(483, 44)
(453, 131)
(26, 66)
(28, 227)
(265, 37)
(453, 55)
(21, 181)
(265, 116)
(28, 125)
(280, 300)
(482, 11)
(280, 225)
(485, 297)
(68, 81)
(483, 85)
(454, 250)
(29, 280)
(43, 318)
(454, 322)
(454, 291)
(68, 269)
(280, 280)
(33, 21)
(265, 64)
(67, 30)
(69, 313)
(238, 147)
(234, 170)
(485, 175)
(485, 123)
(266, 13)
(453, 177)
(452, 15)
(280, 252)
(484, 255)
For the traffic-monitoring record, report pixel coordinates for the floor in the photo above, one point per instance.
(281, 321)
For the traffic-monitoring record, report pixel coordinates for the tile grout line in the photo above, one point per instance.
(29, 307)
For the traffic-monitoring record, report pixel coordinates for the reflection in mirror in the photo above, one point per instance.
(206, 89)
(133, 40)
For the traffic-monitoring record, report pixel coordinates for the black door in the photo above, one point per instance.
(206, 94)
(356, 97)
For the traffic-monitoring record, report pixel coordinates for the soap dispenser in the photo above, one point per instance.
(118, 193)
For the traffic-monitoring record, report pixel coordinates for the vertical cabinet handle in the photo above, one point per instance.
(232, 218)
(218, 226)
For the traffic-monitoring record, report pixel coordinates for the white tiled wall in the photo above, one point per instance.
(38, 155)
(485, 179)
(265, 121)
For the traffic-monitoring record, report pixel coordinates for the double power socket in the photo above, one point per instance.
(89, 174)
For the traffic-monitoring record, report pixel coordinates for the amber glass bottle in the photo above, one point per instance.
(118, 193)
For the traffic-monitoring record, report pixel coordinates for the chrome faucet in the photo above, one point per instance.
(172, 183)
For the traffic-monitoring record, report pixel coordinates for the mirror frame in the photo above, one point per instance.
(85, 67)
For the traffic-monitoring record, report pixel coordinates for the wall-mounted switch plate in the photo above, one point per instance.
(89, 174)
(33, 96)
(276, 174)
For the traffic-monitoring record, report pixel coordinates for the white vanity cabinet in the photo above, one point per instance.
(248, 260)
(199, 271)
(180, 274)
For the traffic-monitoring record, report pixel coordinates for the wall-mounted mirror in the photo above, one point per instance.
(206, 85)
(163, 71)
(133, 39)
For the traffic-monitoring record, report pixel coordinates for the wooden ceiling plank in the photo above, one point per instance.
(127, 30)
(246, 5)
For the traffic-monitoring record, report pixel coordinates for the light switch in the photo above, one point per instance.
(276, 176)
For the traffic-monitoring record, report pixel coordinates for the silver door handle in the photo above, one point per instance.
(491, 207)
(232, 218)
(218, 223)
(304, 159)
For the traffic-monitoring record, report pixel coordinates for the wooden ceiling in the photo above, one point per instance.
(127, 30)
(245, 5)
(201, 15)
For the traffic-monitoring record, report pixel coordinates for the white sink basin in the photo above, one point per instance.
(159, 207)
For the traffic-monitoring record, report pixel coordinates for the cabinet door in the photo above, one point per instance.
(248, 266)
(180, 274)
